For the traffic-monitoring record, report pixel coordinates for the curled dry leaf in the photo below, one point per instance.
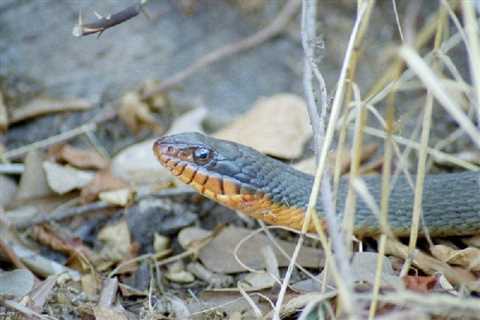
(277, 126)
(468, 257)
(73, 247)
(42, 106)
(116, 239)
(177, 273)
(103, 181)
(80, 158)
(160, 242)
(63, 179)
(137, 113)
(120, 197)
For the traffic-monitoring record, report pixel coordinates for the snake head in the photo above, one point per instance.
(210, 165)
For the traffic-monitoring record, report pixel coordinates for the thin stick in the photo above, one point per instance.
(89, 126)
(272, 30)
(107, 22)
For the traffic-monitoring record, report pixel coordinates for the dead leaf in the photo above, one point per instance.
(431, 265)
(160, 242)
(177, 273)
(278, 126)
(17, 283)
(363, 270)
(105, 313)
(116, 239)
(73, 247)
(3, 115)
(103, 181)
(90, 284)
(255, 281)
(137, 164)
(218, 256)
(421, 284)
(79, 158)
(9, 189)
(42, 106)
(33, 183)
(136, 113)
(120, 197)
(63, 179)
(468, 257)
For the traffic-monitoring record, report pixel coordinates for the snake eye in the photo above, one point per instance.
(201, 155)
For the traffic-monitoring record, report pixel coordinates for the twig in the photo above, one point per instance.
(11, 168)
(274, 29)
(106, 22)
(89, 126)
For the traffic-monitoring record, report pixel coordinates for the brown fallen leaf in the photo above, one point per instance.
(218, 254)
(277, 126)
(137, 113)
(63, 179)
(41, 106)
(103, 181)
(79, 158)
(73, 247)
(117, 241)
(421, 284)
(468, 257)
(3, 115)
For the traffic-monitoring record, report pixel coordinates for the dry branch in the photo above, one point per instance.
(274, 29)
(106, 22)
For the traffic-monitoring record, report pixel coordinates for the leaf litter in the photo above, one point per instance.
(187, 270)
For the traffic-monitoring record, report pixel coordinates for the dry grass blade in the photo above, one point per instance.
(433, 83)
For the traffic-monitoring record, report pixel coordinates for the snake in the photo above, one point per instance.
(245, 180)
